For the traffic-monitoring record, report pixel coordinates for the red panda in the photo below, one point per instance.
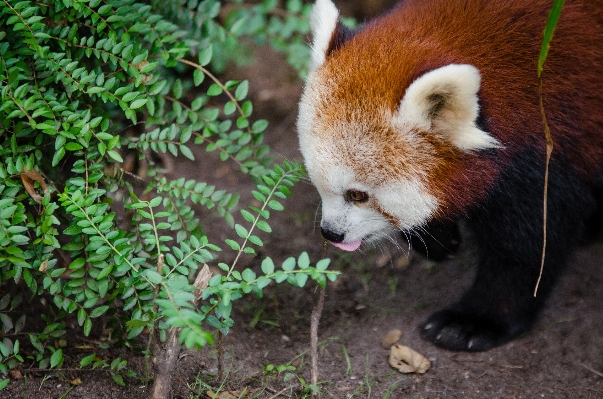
(430, 113)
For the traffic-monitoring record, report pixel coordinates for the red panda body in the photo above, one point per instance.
(431, 113)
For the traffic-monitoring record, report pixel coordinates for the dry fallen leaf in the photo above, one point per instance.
(43, 266)
(391, 338)
(407, 360)
(202, 281)
(15, 374)
(28, 177)
(228, 394)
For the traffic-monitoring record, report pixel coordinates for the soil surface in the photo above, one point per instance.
(381, 288)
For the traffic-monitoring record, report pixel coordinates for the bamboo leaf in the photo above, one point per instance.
(549, 30)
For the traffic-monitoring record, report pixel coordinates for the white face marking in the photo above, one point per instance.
(408, 201)
(355, 222)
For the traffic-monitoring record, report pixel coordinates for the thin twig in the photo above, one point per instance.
(104, 370)
(592, 369)
(549, 151)
(315, 319)
(220, 356)
(276, 395)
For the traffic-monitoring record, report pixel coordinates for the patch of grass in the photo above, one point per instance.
(392, 387)
(348, 369)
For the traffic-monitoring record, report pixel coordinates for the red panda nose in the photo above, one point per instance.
(331, 236)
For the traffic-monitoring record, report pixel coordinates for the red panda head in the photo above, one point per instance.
(379, 134)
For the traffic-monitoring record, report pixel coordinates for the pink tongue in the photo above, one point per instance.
(347, 246)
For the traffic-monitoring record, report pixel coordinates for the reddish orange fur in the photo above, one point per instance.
(502, 39)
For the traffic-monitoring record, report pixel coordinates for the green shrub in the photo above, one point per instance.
(86, 84)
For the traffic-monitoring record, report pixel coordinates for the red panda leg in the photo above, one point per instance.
(507, 228)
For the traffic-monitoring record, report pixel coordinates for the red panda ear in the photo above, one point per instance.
(444, 101)
(328, 33)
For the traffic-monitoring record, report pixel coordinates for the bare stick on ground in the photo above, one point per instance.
(165, 362)
(166, 355)
(316, 313)
(220, 357)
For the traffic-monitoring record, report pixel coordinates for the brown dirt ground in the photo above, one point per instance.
(381, 288)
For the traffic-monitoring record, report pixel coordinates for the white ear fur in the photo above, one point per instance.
(445, 101)
(323, 22)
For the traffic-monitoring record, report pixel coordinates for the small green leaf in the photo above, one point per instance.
(87, 326)
(198, 77)
(248, 275)
(256, 240)
(56, 359)
(267, 266)
(115, 156)
(323, 264)
(153, 276)
(233, 244)
(205, 55)
(138, 103)
(58, 155)
(247, 215)
(301, 279)
(87, 360)
(177, 89)
(187, 152)
(262, 225)
(242, 90)
(118, 379)
(214, 90)
(262, 282)
(229, 108)
(259, 126)
(4, 350)
(98, 311)
(289, 264)
(303, 261)
(277, 206)
(71, 146)
(241, 231)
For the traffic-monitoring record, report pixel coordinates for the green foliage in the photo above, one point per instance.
(549, 29)
(89, 87)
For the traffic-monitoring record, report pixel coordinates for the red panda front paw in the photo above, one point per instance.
(459, 331)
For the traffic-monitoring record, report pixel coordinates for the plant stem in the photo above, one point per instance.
(220, 356)
(167, 356)
(316, 313)
(264, 205)
(549, 151)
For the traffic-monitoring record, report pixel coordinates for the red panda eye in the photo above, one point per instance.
(356, 196)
